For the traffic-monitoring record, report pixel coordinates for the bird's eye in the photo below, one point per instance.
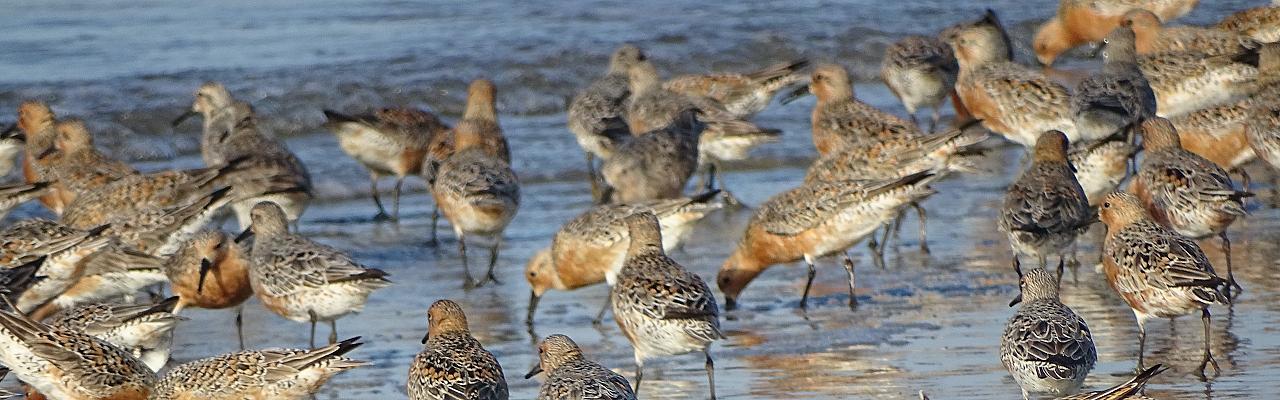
(1106, 205)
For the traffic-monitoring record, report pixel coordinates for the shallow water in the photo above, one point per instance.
(925, 322)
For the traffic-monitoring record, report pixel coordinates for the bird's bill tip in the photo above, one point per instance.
(537, 369)
(1016, 301)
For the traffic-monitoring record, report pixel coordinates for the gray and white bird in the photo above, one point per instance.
(661, 307)
(921, 71)
(571, 376)
(1046, 347)
(1118, 97)
(1045, 209)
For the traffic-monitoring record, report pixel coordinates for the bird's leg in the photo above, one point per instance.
(1142, 344)
(1208, 353)
(804, 298)
(848, 267)
(395, 199)
(608, 302)
(1044, 262)
(874, 246)
(711, 373)
(493, 260)
(1233, 288)
(937, 116)
(373, 190)
(240, 325)
(639, 377)
(591, 176)
(435, 221)
(333, 331)
(313, 328)
(466, 269)
(924, 219)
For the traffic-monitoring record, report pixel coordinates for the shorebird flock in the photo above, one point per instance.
(1146, 145)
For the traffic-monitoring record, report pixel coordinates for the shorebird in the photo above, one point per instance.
(597, 114)
(1153, 37)
(137, 193)
(1218, 133)
(1046, 346)
(390, 141)
(1117, 98)
(64, 250)
(211, 271)
(815, 220)
(159, 231)
(145, 331)
(1158, 272)
(268, 170)
(1185, 192)
(1131, 389)
(921, 71)
(896, 156)
(453, 365)
(661, 307)
(480, 121)
(743, 95)
(283, 374)
(37, 124)
(655, 165)
(1260, 23)
(590, 248)
(64, 364)
(571, 376)
(304, 281)
(475, 188)
(12, 143)
(265, 169)
(1078, 22)
(1045, 208)
(1101, 166)
(839, 119)
(1188, 81)
(726, 137)
(113, 272)
(81, 168)
(12, 196)
(1011, 100)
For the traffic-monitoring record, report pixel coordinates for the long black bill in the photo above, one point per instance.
(205, 265)
(426, 337)
(537, 369)
(795, 95)
(533, 307)
(182, 118)
(248, 233)
(1016, 300)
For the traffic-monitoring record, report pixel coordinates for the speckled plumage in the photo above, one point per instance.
(146, 330)
(134, 193)
(1046, 346)
(840, 120)
(815, 220)
(1181, 190)
(1045, 208)
(281, 374)
(79, 167)
(597, 114)
(1010, 99)
(1153, 37)
(159, 231)
(661, 307)
(921, 71)
(1101, 166)
(1158, 273)
(1260, 23)
(741, 94)
(265, 168)
(453, 365)
(1118, 97)
(1263, 131)
(1188, 81)
(302, 280)
(63, 364)
(65, 250)
(390, 141)
(570, 376)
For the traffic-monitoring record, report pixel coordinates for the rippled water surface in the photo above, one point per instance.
(925, 322)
